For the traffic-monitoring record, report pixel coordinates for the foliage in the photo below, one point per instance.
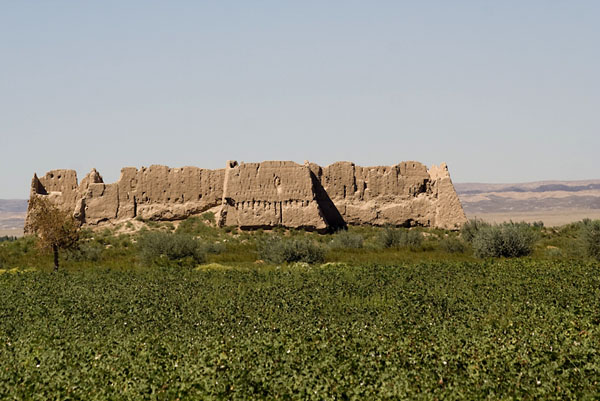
(197, 227)
(453, 245)
(90, 251)
(590, 237)
(344, 239)
(8, 238)
(55, 228)
(514, 329)
(209, 217)
(392, 237)
(504, 240)
(469, 230)
(165, 249)
(276, 249)
(538, 224)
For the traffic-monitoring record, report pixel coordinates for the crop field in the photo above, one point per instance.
(196, 312)
(510, 328)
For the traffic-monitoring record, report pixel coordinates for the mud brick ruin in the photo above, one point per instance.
(263, 195)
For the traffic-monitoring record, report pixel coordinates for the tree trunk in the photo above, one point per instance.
(55, 252)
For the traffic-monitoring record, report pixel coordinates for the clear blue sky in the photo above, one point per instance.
(503, 91)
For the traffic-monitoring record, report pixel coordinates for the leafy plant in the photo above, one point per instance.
(346, 240)
(90, 251)
(391, 237)
(510, 329)
(197, 227)
(209, 217)
(469, 230)
(164, 248)
(275, 249)
(453, 245)
(590, 237)
(504, 240)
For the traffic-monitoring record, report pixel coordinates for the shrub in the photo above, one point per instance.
(553, 253)
(209, 217)
(504, 240)
(215, 247)
(391, 237)
(469, 230)
(590, 238)
(453, 245)
(90, 251)
(346, 240)
(195, 226)
(163, 248)
(275, 249)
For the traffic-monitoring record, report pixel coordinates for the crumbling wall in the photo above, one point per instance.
(270, 194)
(448, 209)
(267, 194)
(404, 194)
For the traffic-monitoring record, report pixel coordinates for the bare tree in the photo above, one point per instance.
(55, 228)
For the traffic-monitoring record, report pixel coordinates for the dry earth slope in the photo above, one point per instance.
(553, 202)
(12, 216)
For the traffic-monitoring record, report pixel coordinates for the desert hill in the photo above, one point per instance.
(12, 216)
(553, 202)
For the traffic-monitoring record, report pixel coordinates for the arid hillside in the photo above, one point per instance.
(12, 216)
(553, 202)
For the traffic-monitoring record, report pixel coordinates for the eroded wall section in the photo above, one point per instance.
(267, 194)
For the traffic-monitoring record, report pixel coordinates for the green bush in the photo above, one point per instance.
(275, 249)
(196, 226)
(453, 245)
(469, 230)
(215, 247)
(163, 248)
(209, 217)
(391, 237)
(346, 240)
(504, 240)
(590, 237)
(90, 251)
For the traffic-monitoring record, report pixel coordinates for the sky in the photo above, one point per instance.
(503, 91)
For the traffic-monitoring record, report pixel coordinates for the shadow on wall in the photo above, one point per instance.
(331, 214)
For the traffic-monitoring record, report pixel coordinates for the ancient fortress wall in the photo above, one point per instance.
(267, 194)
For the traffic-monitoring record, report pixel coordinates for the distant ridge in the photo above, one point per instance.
(536, 186)
(12, 216)
(554, 202)
(13, 205)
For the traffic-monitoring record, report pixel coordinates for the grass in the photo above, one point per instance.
(359, 246)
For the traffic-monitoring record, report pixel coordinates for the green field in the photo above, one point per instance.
(368, 323)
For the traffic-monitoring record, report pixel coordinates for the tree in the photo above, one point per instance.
(55, 228)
